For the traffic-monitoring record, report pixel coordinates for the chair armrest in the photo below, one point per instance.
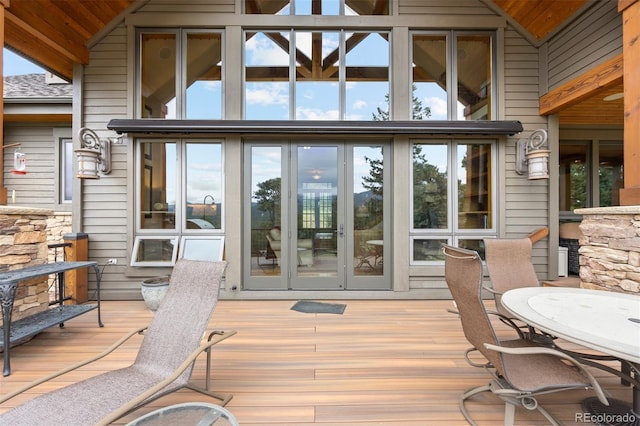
(214, 338)
(72, 367)
(491, 290)
(543, 350)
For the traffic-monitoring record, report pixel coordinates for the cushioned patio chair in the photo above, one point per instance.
(521, 369)
(171, 344)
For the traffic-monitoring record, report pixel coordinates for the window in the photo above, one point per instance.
(180, 193)
(452, 76)
(590, 174)
(334, 75)
(66, 170)
(187, 85)
(315, 7)
(452, 196)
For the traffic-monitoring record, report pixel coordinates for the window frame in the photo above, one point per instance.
(181, 38)
(452, 233)
(451, 37)
(180, 232)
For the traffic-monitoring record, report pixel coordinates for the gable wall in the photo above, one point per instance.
(105, 85)
(592, 39)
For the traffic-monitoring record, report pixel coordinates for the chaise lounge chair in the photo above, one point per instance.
(164, 363)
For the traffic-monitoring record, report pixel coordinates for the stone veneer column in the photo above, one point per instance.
(23, 242)
(610, 248)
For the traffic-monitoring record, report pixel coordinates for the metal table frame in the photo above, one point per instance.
(9, 283)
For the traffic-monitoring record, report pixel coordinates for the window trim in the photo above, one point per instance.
(173, 239)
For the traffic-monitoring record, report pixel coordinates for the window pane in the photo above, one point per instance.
(475, 244)
(266, 189)
(429, 99)
(267, 76)
(66, 177)
(317, 90)
(430, 179)
(158, 185)
(204, 76)
(314, 7)
(474, 77)
(368, 214)
(474, 186)
(367, 79)
(573, 174)
(610, 175)
(158, 75)
(203, 190)
(427, 249)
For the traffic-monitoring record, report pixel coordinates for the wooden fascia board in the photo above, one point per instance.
(79, 54)
(574, 91)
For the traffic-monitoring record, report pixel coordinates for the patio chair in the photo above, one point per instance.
(520, 368)
(164, 363)
(510, 266)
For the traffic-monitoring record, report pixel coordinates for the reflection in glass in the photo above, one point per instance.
(573, 176)
(430, 181)
(203, 190)
(366, 73)
(204, 76)
(158, 185)
(317, 90)
(368, 212)
(474, 76)
(427, 249)
(474, 186)
(317, 177)
(610, 173)
(475, 244)
(315, 7)
(266, 190)
(158, 75)
(267, 75)
(429, 68)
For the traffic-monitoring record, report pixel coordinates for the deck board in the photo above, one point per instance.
(382, 362)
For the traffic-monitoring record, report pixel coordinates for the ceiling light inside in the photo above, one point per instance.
(614, 97)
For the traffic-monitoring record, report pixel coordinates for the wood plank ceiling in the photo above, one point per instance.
(56, 33)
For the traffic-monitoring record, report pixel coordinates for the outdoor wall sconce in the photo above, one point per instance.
(532, 157)
(94, 155)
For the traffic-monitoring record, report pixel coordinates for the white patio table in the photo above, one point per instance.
(606, 321)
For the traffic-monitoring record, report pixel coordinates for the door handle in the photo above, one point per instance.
(341, 230)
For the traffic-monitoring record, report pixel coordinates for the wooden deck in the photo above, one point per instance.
(381, 362)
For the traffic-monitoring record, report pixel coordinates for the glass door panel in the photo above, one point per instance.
(318, 208)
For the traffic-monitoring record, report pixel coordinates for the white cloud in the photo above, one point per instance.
(316, 114)
(359, 104)
(263, 51)
(267, 94)
(438, 107)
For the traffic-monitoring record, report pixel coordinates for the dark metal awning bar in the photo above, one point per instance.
(418, 127)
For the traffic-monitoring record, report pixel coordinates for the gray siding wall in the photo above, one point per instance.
(593, 38)
(105, 206)
(38, 188)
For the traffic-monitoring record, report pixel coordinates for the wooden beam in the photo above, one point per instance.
(598, 78)
(630, 194)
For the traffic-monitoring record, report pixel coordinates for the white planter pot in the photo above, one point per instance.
(153, 291)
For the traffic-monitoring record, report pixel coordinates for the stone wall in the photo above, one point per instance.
(23, 242)
(610, 248)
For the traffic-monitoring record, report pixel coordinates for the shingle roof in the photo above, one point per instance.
(34, 86)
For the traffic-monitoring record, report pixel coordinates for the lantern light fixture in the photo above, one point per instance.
(532, 157)
(94, 154)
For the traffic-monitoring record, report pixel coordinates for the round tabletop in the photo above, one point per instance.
(603, 320)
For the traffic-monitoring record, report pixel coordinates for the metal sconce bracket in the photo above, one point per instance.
(94, 154)
(532, 157)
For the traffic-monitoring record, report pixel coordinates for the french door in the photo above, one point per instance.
(316, 215)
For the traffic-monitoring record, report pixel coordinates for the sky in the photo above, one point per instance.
(17, 65)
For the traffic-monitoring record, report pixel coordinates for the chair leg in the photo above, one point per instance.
(509, 413)
(468, 394)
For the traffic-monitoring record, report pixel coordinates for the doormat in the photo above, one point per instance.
(310, 307)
